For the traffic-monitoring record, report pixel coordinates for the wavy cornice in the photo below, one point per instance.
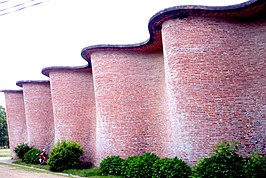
(244, 11)
(47, 70)
(22, 82)
(11, 91)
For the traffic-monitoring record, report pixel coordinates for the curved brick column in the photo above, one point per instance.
(74, 106)
(39, 113)
(215, 76)
(129, 94)
(16, 119)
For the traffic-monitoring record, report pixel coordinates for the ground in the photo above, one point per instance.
(9, 170)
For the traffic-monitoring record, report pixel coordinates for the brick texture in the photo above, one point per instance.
(74, 108)
(39, 114)
(215, 78)
(16, 119)
(129, 94)
(199, 79)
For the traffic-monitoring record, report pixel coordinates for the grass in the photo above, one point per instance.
(46, 167)
(84, 172)
(5, 153)
(92, 172)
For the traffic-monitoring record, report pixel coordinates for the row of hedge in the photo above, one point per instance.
(64, 155)
(27, 154)
(223, 162)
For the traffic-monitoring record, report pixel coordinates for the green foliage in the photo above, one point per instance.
(5, 153)
(4, 142)
(171, 167)
(21, 150)
(31, 157)
(84, 172)
(111, 165)
(65, 155)
(139, 166)
(224, 162)
(255, 166)
(39, 166)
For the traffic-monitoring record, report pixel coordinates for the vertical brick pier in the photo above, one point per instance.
(16, 119)
(129, 93)
(216, 83)
(39, 113)
(74, 106)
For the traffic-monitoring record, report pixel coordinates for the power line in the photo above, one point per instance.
(4, 1)
(18, 6)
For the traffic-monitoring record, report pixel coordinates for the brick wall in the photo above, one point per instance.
(39, 113)
(198, 80)
(215, 78)
(16, 119)
(129, 94)
(74, 108)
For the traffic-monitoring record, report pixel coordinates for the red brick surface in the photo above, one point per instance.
(39, 114)
(16, 119)
(199, 79)
(74, 108)
(215, 77)
(129, 93)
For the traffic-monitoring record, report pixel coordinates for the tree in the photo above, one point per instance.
(3, 129)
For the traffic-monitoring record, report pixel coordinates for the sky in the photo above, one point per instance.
(54, 32)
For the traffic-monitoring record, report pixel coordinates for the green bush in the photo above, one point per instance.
(112, 165)
(171, 167)
(139, 166)
(21, 150)
(255, 166)
(31, 157)
(224, 162)
(65, 155)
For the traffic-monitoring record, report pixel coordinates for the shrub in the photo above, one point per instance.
(224, 162)
(139, 166)
(21, 150)
(255, 166)
(31, 157)
(65, 155)
(111, 166)
(171, 167)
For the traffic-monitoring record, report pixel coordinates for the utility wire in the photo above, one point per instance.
(18, 6)
(4, 1)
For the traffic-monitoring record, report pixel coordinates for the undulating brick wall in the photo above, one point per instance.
(130, 110)
(216, 82)
(74, 107)
(16, 119)
(39, 113)
(199, 79)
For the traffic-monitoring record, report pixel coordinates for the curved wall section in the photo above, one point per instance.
(39, 113)
(16, 119)
(215, 76)
(74, 107)
(129, 94)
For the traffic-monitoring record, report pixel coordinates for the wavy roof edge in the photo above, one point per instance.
(21, 82)
(47, 70)
(11, 91)
(248, 9)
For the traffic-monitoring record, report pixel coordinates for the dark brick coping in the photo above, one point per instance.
(252, 9)
(47, 70)
(40, 82)
(11, 91)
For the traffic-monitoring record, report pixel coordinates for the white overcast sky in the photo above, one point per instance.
(54, 32)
